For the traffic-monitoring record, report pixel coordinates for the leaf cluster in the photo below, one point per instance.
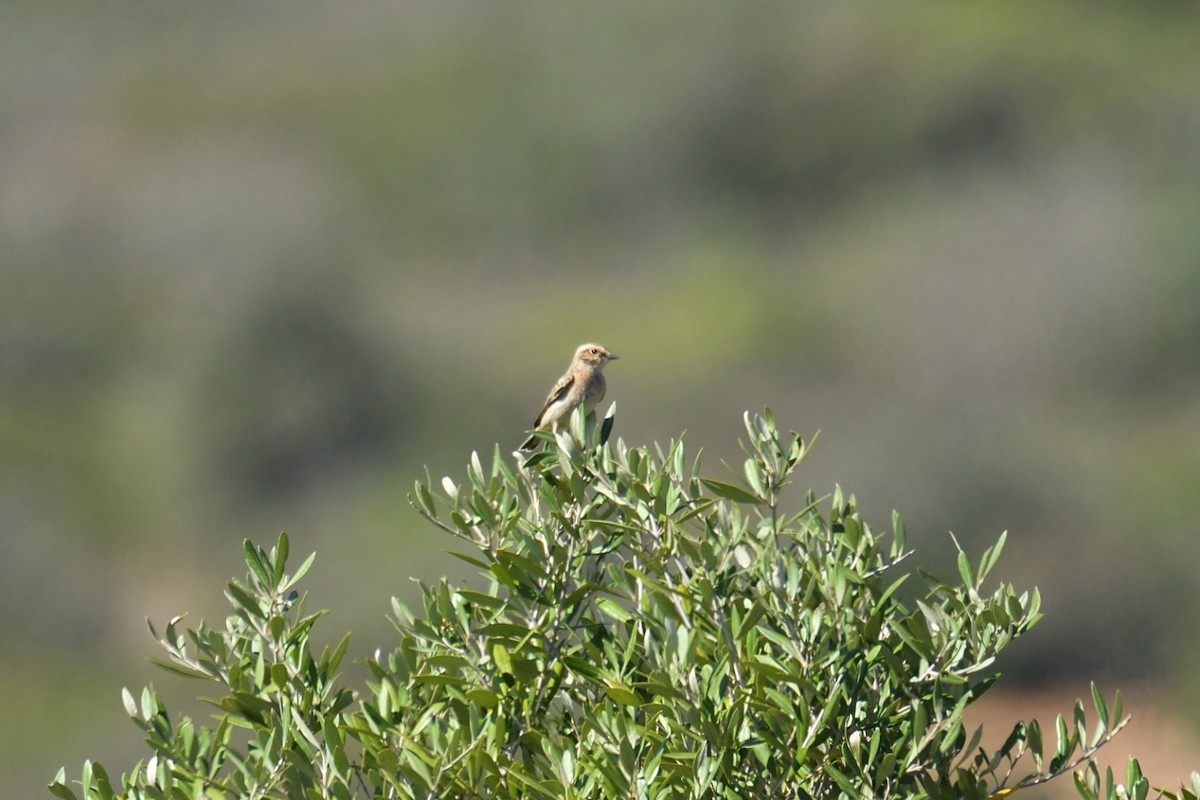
(641, 631)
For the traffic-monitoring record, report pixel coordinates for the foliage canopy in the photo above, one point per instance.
(643, 632)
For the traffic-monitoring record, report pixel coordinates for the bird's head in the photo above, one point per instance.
(594, 354)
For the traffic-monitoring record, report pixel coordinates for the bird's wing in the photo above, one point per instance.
(557, 393)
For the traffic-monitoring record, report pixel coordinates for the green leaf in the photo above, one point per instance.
(247, 705)
(525, 569)
(730, 492)
(475, 562)
(281, 556)
(335, 658)
(965, 570)
(843, 781)
(992, 555)
(149, 704)
(1036, 744)
(448, 661)
(279, 675)
(103, 785)
(299, 573)
(423, 500)
(754, 478)
(612, 609)
(621, 694)
(241, 597)
(899, 533)
(502, 659)
(255, 562)
(180, 669)
(1063, 746)
(1133, 773)
(59, 787)
(1101, 707)
(508, 630)
(484, 698)
(130, 704)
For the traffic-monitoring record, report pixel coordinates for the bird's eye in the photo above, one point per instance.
(595, 351)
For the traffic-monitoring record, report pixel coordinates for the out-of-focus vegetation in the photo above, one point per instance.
(260, 263)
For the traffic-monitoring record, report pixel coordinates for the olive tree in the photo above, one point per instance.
(639, 630)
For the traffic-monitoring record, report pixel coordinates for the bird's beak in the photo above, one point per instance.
(612, 357)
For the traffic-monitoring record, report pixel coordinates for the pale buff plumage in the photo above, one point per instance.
(581, 385)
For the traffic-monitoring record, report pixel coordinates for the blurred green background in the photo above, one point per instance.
(262, 262)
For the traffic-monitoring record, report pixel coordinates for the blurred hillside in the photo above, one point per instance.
(261, 263)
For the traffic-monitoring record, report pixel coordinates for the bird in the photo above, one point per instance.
(582, 384)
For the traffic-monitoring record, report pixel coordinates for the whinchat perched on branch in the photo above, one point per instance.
(582, 385)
